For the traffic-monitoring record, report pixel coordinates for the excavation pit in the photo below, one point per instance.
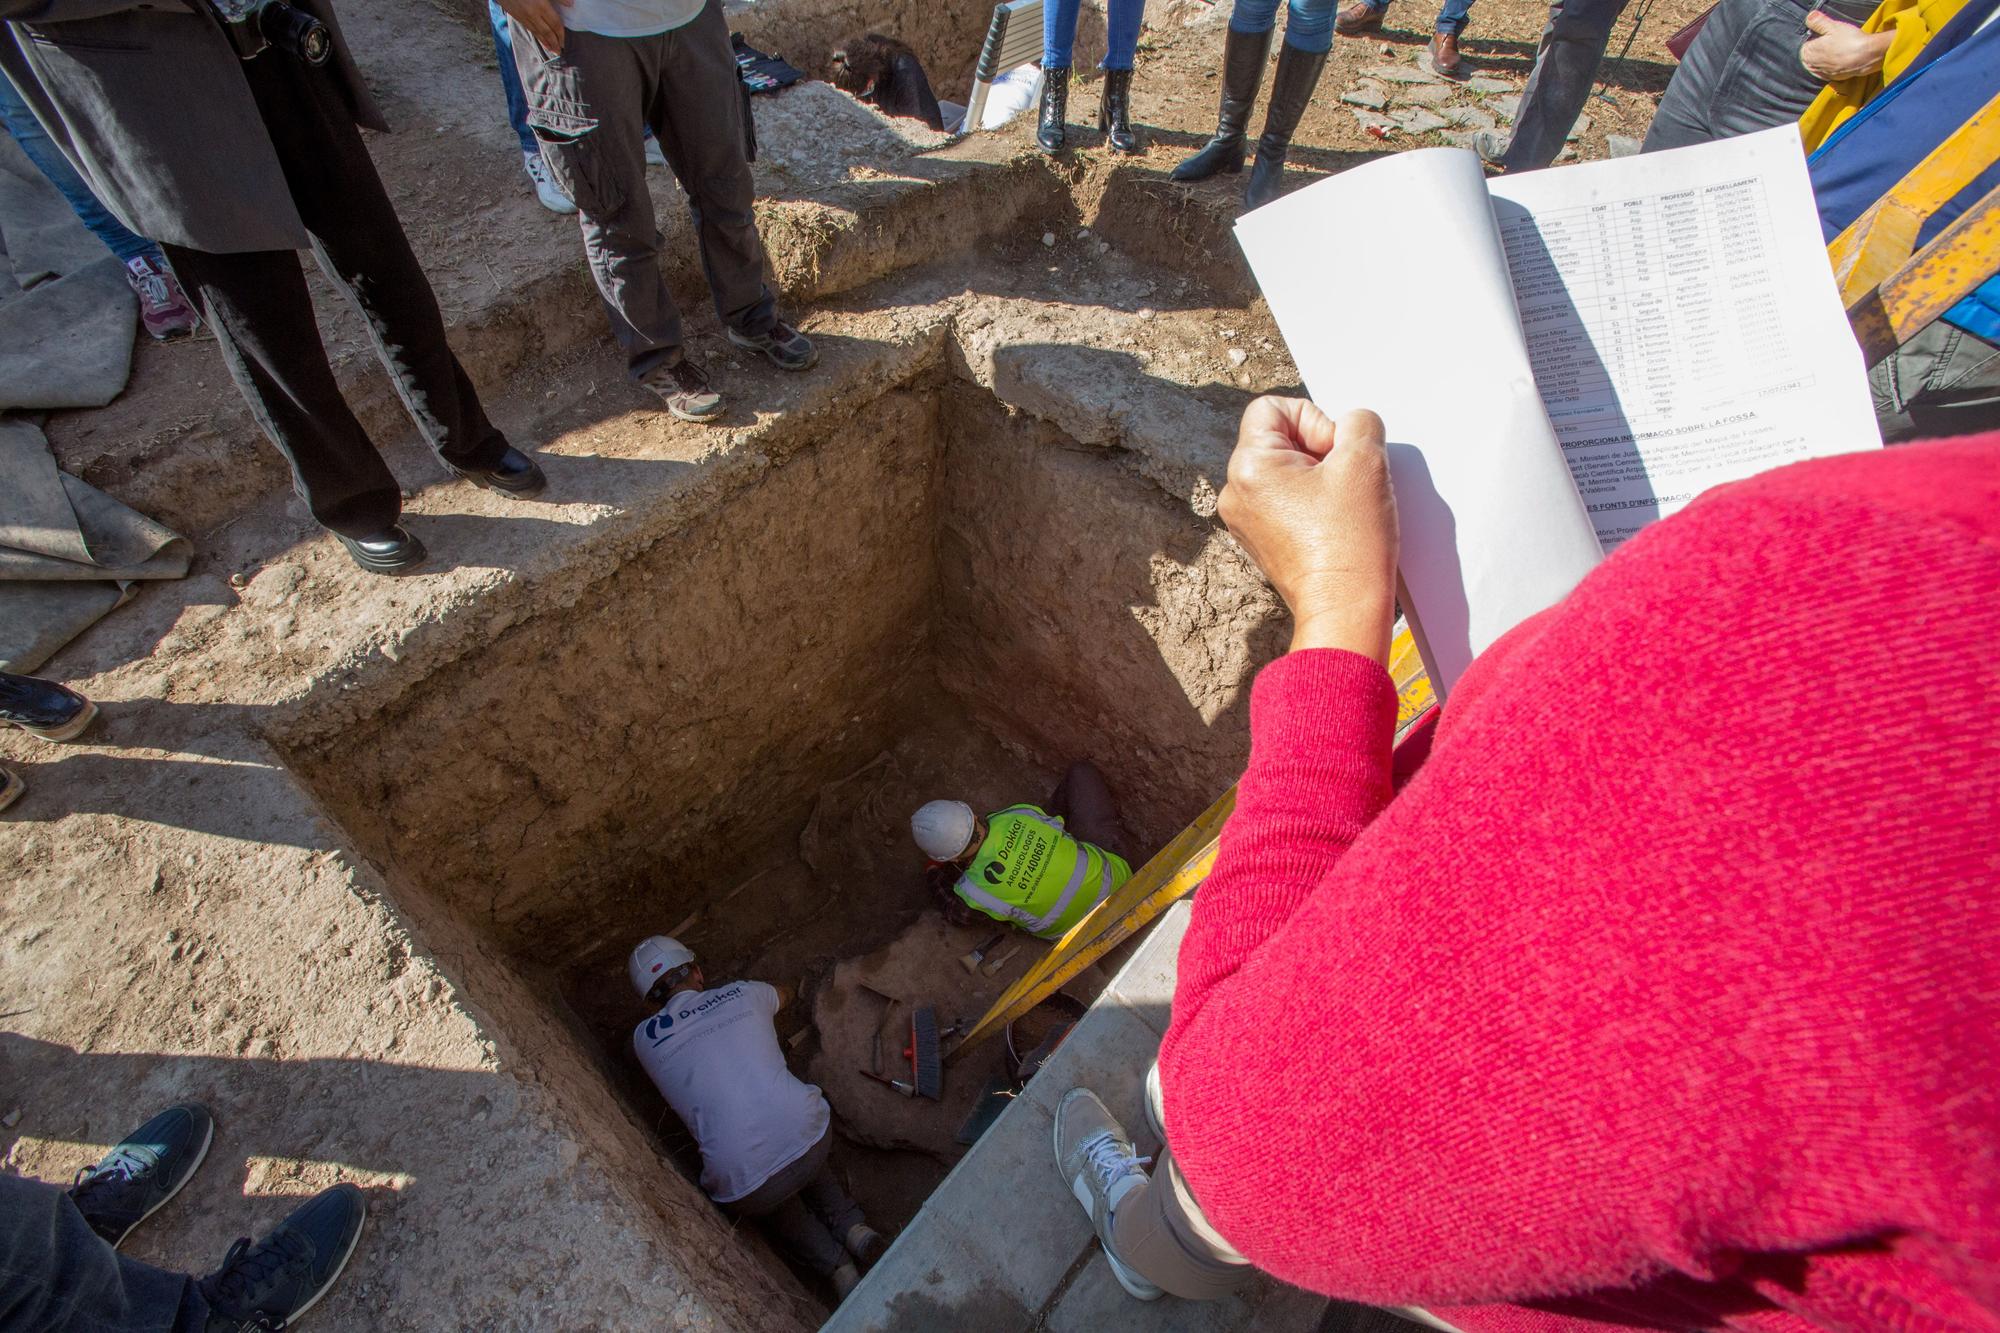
(729, 720)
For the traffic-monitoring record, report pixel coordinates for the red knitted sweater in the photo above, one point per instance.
(1668, 991)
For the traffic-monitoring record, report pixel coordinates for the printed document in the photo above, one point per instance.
(1578, 352)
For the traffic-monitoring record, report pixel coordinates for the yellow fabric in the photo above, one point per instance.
(1914, 22)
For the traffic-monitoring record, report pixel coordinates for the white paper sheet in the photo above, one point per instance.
(1682, 321)
(1492, 530)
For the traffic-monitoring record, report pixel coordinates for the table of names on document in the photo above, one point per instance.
(1650, 308)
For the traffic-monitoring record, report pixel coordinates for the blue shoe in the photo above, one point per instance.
(272, 1283)
(43, 708)
(143, 1172)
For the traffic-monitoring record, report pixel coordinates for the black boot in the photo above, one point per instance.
(1114, 113)
(1243, 57)
(1291, 89)
(1055, 107)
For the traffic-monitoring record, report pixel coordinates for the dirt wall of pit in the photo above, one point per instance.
(631, 748)
(1088, 614)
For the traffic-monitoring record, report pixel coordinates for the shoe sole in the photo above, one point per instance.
(402, 566)
(11, 789)
(810, 361)
(334, 1276)
(1081, 1191)
(201, 1155)
(698, 418)
(520, 492)
(69, 730)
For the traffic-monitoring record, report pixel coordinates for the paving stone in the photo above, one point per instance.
(1146, 982)
(1471, 117)
(1109, 1052)
(1425, 94)
(1372, 101)
(1622, 145)
(1420, 121)
(1483, 83)
(1375, 124)
(1460, 138)
(1578, 130)
(1403, 74)
(1505, 107)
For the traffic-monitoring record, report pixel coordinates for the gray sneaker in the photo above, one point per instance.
(1156, 1103)
(1098, 1163)
(685, 391)
(1491, 145)
(784, 346)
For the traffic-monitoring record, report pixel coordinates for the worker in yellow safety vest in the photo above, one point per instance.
(1041, 869)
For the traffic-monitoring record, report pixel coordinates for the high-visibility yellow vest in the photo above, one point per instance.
(1029, 872)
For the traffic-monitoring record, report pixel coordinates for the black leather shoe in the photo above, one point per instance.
(1050, 121)
(395, 551)
(43, 708)
(514, 474)
(1114, 112)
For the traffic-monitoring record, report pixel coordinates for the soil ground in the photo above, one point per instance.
(186, 916)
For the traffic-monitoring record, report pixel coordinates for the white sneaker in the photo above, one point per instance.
(654, 156)
(1096, 1158)
(546, 189)
(845, 1279)
(1156, 1104)
(864, 1243)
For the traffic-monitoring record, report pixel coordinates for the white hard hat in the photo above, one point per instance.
(942, 828)
(653, 958)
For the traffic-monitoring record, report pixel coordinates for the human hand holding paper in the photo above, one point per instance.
(1309, 498)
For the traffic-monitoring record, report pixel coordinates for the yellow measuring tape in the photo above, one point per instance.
(1173, 873)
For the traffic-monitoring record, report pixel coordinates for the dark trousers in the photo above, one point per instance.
(56, 1273)
(263, 318)
(1742, 74)
(590, 105)
(1566, 65)
(1083, 801)
(804, 1210)
(1944, 381)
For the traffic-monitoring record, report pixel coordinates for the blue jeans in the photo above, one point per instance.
(42, 151)
(1308, 24)
(56, 1273)
(510, 78)
(1121, 37)
(1452, 18)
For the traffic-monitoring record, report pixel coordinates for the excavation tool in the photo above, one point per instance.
(922, 1049)
(971, 961)
(1174, 871)
(993, 965)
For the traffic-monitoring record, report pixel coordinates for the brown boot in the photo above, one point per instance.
(1358, 18)
(1446, 58)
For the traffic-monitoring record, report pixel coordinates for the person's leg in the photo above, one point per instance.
(1121, 34)
(698, 118)
(777, 1207)
(830, 1202)
(1059, 32)
(1944, 381)
(359, 243)
(1566, 66)
(587, 109)
(26, 131)
(262, 315)
(1741, 74)
(510, 77)
(1309, 25)
(1088, 811)
(56, 1273)
(1453, 17)
(1159, 1231)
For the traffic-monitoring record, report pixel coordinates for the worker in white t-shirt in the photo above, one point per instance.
(714, 1055)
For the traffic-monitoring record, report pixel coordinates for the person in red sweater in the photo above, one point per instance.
(1667, 993)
